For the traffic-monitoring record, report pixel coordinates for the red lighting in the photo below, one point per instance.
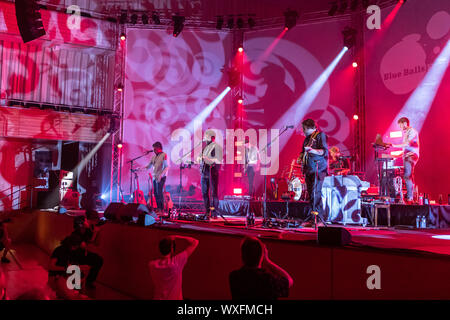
(286, 28)
(354, 64)
(119, 146)
(120, 89)
(241, 49)
(240, 101)
(122, 37)
(237, 191)
(355, 117)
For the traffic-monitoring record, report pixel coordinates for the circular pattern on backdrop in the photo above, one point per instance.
(439, 25)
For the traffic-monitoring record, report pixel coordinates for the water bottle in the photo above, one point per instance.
(421, 199)
(418, 222)
(425, 199)
(423, 223)
(441, 199)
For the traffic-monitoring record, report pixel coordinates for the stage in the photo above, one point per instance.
(413, 263)
(437, 216)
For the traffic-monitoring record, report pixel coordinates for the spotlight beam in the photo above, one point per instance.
(302, 105)
(419, 102)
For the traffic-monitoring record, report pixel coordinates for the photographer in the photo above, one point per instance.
(61, 258)
(5, 241)
(89, 234)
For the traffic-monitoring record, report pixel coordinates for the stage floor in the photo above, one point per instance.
(426, 240)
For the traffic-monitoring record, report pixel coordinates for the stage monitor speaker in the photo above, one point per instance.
(29, 20)
(112, 211)
(333, 236)
(132, 211)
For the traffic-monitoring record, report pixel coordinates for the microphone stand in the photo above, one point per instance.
(182, 166)
(266, 221)
(131, 167)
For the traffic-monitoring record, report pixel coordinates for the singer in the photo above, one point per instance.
(160, 166)
(314, 160)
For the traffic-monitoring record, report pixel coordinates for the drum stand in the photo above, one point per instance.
(314, 213)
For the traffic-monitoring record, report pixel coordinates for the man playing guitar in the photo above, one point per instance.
(314, 161)
(160, 166)
(211, 159)
(410, 146)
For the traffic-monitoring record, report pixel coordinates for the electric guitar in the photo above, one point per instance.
(303, 158)
(138, 194)
(151, 195)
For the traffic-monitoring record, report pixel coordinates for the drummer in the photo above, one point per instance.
(337, 164)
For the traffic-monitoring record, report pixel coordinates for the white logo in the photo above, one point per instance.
(374, 20)
(374, 281)
(73, 22)
(74, 280)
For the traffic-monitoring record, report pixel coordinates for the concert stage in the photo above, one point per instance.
(412, 263)
(437, 216)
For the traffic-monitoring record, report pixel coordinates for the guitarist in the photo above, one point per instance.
(160, 165)
(211, 159)
(314, 160)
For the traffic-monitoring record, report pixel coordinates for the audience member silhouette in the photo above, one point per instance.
(259, 278)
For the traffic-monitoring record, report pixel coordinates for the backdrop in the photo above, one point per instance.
(407, 75)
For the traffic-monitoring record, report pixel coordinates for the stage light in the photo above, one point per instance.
(349, 35)
(123, 37)
(251, 22)
(134, 18)
(120, 145)
(355, 117)
(241, 49)
(333, 9)
(237, 190)
(355, 64)
(230, 22)
(144, 19)
(155, 18)
(120, 88)
(178, 25)
(395, 134)
(219, 24)
(290, 18)
(104, 196)
(240, 23)
(442, 237)
(240, 100)
(123, 18)
(342, 6)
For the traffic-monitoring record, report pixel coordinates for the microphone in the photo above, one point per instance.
(149, 151)
(289, 127)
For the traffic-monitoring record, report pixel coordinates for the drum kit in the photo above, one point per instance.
(291, 183)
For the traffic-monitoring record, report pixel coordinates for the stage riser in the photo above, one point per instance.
(318, 272)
